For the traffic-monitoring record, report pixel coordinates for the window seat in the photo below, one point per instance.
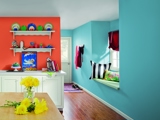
(111, 84)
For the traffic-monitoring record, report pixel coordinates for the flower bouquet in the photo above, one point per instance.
(29, 83)
(26, 106)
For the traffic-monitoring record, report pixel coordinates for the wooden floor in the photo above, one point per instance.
(82, 106)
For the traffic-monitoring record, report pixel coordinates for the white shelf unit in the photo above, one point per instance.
(49, 33)
(32, 49)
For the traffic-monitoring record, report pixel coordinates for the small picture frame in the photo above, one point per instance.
(29, 60)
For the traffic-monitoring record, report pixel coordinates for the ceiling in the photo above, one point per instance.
(72, 13)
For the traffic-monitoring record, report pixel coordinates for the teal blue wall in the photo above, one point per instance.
(66, 33)
(138, 96)
(100, 41)
(114, 25)
(139, 25)
(82, 35)
(94, 36)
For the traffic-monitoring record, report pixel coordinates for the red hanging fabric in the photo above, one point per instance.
(78, 62)
(114, 40)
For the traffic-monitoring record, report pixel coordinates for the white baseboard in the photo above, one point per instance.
(107, 104)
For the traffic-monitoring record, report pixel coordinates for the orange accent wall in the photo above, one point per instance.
(6, 37)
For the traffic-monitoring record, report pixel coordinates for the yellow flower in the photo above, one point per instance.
(29, 81)
(44, 104)
(40, 107)
(21, 110)
(26, 106)
(36, 101)
(26, 102)
(35, 82)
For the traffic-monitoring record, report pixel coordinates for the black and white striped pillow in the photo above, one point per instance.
(98, 70)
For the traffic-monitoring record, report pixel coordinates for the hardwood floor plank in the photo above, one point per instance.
(82, 106)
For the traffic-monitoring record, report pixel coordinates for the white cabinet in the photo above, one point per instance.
(10, 84)
(54, 86)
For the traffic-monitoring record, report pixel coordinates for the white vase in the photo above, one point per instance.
(21, 44)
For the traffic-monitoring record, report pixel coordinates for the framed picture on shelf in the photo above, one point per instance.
(29, 60)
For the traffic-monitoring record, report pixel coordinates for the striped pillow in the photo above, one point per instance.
(98, 70)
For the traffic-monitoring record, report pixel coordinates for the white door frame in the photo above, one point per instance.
(70, 50)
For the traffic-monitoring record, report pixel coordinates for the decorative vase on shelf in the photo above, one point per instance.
(21, 44)
(29, 92)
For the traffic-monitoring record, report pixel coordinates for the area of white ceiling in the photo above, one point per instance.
(72, 13)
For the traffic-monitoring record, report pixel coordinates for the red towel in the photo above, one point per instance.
(78, 62)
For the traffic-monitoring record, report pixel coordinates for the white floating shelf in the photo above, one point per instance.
(49, 33)
(32, 49)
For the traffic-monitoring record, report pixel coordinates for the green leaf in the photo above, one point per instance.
(31, 107)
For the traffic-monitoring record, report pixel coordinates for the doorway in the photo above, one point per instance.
(66, 61)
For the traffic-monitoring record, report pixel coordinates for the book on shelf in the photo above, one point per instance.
(49, 66)
(53, 66)
(57, 67)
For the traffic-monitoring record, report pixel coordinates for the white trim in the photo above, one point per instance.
(106, 103)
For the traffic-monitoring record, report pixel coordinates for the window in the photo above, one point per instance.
(113, 42)
(64, 51)
(113, 49)
(114, 59)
